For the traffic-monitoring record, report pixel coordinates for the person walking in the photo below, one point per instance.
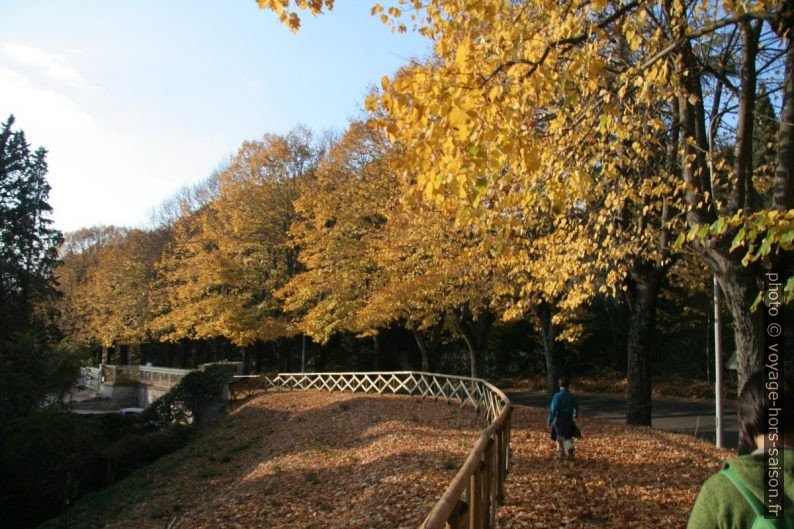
(562, 412)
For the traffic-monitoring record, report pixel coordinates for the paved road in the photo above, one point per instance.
(691, 417)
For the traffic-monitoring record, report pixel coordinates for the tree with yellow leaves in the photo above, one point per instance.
(80, 255)
(339, 211)
(434, 269)
(107, 276)
(682, 68)
(228, 258)
(374, 256)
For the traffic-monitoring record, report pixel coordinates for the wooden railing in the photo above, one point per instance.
(471, 499)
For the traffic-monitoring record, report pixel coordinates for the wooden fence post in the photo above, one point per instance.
(488, 499)
(474, 500)
(501, 464)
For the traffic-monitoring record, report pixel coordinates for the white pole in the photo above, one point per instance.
(717, 323)
(718, 426)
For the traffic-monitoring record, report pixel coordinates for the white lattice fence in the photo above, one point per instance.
(472, 497)
(463, 389)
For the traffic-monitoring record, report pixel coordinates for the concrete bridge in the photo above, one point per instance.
(113, 387)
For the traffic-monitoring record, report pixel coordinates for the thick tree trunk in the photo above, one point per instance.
(545, 312)
(428, 342)
(741, 287)
(423, 349)
(475, 334)
(642, 297)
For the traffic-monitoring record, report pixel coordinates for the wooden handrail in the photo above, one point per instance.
(471, 499)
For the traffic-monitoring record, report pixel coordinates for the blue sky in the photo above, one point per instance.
(134, 100)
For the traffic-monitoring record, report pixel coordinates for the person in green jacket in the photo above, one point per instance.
(733, 497)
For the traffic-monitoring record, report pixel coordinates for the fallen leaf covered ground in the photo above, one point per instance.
(339, 460)
(628, 477)
(302, 459)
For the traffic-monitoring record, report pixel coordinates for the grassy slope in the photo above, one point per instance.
(299, 459)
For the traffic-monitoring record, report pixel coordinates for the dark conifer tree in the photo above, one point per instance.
(28, 243)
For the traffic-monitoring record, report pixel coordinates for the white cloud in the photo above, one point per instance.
(70, 135)
(103, 169)
(55, 66)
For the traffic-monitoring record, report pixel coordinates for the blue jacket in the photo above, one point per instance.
(563, 401)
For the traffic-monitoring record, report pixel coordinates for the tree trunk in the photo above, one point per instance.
(475, 334)
(303, 352)
(428, 343)
(246, 360)
(423, 349)
(181, 354)
(740, 286)
(144, 351)
(741, 195)
(545, 312)
(739, 283)
(321, 358)
(783, 198)
(287, 356)
(642, 296)
(377, 360)
(281, 364)
(192, 359)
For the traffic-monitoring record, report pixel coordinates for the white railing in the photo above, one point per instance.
(472, 497)
(160, 376)
(90, 377)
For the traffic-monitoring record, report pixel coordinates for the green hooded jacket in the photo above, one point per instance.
(721, 505)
